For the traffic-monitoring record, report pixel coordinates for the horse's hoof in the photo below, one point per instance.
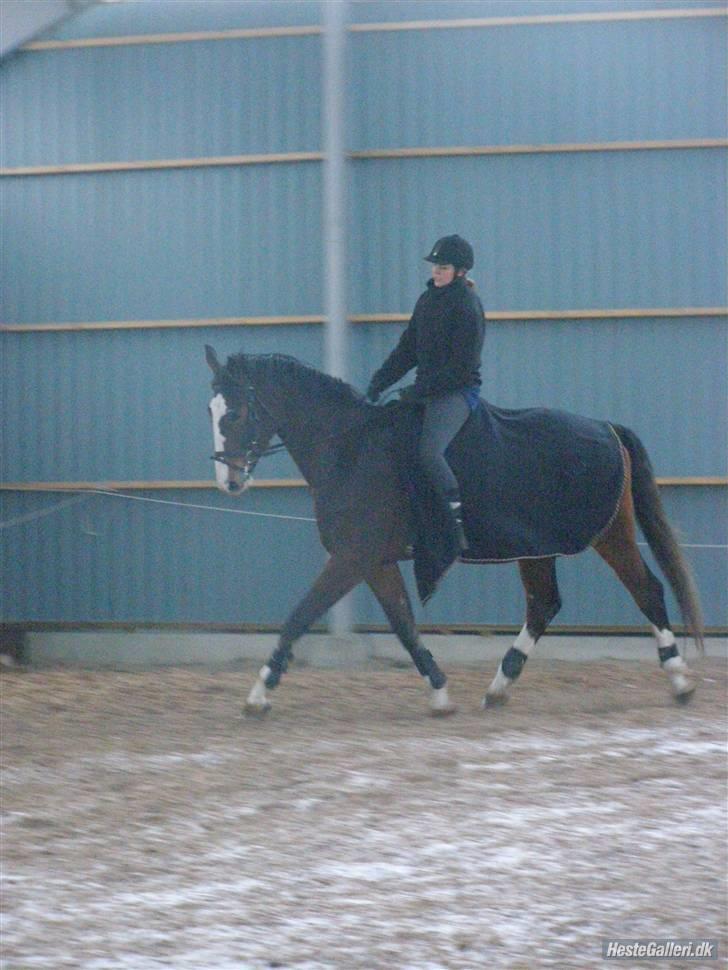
(494, 700)
(685, 696)
(446, 710)
(256, 710)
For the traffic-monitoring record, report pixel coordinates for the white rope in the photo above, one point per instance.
(31, 516)
(207, 508)
(87, 493)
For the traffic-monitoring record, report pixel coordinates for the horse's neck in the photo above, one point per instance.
(310, 429)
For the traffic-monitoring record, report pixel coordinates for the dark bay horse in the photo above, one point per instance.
(363, 517)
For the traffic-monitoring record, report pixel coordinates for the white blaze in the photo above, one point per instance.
(218, 408)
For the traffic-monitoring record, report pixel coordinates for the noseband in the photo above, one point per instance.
(245, 461)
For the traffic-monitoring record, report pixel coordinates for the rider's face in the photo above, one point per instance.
(443, 274)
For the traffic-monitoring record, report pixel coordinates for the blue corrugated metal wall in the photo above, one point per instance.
(583, 230)
(146, 245)
(163, 101)
(567, 82)
(597, 229)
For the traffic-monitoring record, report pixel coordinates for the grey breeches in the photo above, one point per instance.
(444, 417)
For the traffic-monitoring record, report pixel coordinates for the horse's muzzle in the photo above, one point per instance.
(240, 469)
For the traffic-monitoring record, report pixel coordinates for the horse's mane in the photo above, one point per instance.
(279, 367)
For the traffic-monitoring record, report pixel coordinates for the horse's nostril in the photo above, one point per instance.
(233, 487)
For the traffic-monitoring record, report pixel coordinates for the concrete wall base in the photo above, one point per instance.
(123, 649)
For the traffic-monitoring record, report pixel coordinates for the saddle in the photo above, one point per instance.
(535, 483)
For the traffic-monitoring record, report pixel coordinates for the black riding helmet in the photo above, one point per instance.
(452, 251)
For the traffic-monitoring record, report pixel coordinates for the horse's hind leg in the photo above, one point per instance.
(542, 604)
(388, 586)
(338, 577)
(618, 548)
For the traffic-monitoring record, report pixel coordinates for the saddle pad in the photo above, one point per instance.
(534, 483)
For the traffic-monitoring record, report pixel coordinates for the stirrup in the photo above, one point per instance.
(456, 512)
(461, 537)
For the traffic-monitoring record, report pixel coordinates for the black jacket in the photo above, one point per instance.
(443, 340)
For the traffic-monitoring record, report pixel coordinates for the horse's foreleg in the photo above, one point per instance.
(338, 577)
(543, 603)
(388, 586)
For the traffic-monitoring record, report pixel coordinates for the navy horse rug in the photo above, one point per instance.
(534, 483)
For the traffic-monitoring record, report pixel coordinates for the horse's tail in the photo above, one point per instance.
(660, 536)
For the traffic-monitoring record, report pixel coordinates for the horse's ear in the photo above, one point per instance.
(211, 357)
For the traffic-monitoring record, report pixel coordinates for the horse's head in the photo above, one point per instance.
(241, 428)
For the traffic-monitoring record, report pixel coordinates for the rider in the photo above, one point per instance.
(443, 339)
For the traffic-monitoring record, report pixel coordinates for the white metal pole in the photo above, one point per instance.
(334, 221)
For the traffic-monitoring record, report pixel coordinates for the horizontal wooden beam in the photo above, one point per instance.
(190, 37)
(140, 486)
(709, 480)
(182, 323)
(455, 151)
(156, 164)
(443, 151)
(360, 318)
(535, 20)
(471, 23)
(495, 316)
(158, 485)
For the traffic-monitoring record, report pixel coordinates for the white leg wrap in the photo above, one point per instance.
(257, 697)
(523, 642)
(681, 677)
(439, 699)
(679, 674)
(500, 683)
(665, 638)
(440, 703)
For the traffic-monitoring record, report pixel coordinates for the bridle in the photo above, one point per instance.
(245, 461)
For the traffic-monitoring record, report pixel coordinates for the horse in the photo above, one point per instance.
(363, 516)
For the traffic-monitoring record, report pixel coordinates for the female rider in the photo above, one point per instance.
(443, 340)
